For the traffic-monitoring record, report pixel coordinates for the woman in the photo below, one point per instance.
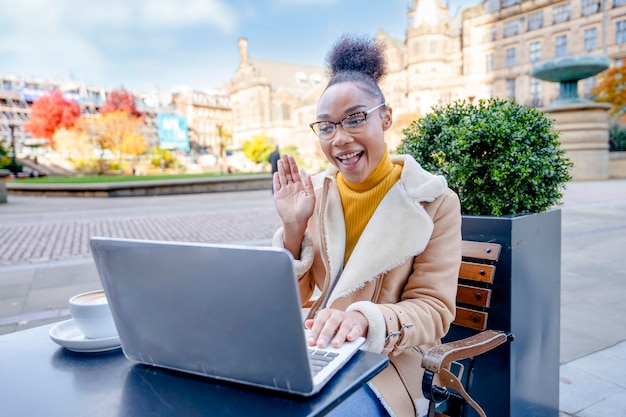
(378, 235)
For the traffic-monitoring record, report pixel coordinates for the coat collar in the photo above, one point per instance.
(381, 247)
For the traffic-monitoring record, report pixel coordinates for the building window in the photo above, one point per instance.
(588, 85)
(301, 78)
(285, 111)
(617, 3)
(276, 112)
(590, 7)
(620, 32)
(510, 89)
(535, 20)
(510, 57)
(489, 62)
(561, 45)
(509, 3)
(511, 28)
(561, 13)
(591, 39)
(534, 54)
(535, 93)
(490, 34)
(315, 78)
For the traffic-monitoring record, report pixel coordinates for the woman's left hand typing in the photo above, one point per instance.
(335, 327)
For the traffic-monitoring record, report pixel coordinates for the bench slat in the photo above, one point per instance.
(474, 296)
(480, 250)
(477, 272)
(469, 318)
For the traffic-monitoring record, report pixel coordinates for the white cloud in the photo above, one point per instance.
(35, 40)
(101, 40)
(187, 12)
(288, 3)
(47, 56)
(119, 13)
(112, 13)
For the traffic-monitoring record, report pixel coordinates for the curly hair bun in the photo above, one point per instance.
(359, 54)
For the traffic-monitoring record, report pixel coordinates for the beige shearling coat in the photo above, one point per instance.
(402, 274)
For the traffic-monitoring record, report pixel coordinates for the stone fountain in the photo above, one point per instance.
(583, 124)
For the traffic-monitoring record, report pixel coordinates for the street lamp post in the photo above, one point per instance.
(12, 129)
(14, 167)
(219, 134)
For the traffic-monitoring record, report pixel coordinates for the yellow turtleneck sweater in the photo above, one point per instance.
(360, 200)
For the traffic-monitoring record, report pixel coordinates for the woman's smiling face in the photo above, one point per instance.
(356, 155)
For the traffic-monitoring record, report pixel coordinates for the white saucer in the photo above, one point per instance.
(70, 337)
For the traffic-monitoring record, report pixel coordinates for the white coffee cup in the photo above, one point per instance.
(92, 315)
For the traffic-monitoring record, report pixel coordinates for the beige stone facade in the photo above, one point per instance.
(500, 46)
(484, 51)
(209, 119)
(275, 99)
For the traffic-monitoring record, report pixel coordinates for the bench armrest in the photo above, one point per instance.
(441, 356)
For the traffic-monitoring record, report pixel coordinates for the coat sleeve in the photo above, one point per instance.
(426, 305)
(302, 266)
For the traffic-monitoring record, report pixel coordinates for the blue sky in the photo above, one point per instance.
(173, 44)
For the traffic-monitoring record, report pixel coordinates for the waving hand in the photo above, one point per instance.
(294, 200)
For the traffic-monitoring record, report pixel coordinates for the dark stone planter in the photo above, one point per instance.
(521, 378)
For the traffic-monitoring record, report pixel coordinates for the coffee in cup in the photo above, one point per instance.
(92, 315)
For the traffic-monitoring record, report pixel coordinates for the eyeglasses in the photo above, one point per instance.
(352, 123)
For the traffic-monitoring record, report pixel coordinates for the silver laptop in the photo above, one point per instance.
(222, 311)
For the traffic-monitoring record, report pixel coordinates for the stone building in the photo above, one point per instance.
(502, 41)
(487, 50)
(274, 99)
(209, 119)
(18, 93)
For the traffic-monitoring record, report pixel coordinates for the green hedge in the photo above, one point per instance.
(501, 158)
(617, 138)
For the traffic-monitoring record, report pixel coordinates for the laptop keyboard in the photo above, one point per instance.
(319, 358)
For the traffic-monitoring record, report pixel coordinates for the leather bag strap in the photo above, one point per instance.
(449, 380)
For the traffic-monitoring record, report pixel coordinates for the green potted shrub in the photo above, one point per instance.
(505, 162)
(501, 158)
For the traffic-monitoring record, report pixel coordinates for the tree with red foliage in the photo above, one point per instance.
(120, 100)
(49, 113)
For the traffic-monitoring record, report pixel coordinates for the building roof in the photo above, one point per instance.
(295, 78)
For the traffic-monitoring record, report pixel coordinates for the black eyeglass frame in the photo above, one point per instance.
(365, 114)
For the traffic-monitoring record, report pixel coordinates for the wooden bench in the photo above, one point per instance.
(446, 389)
